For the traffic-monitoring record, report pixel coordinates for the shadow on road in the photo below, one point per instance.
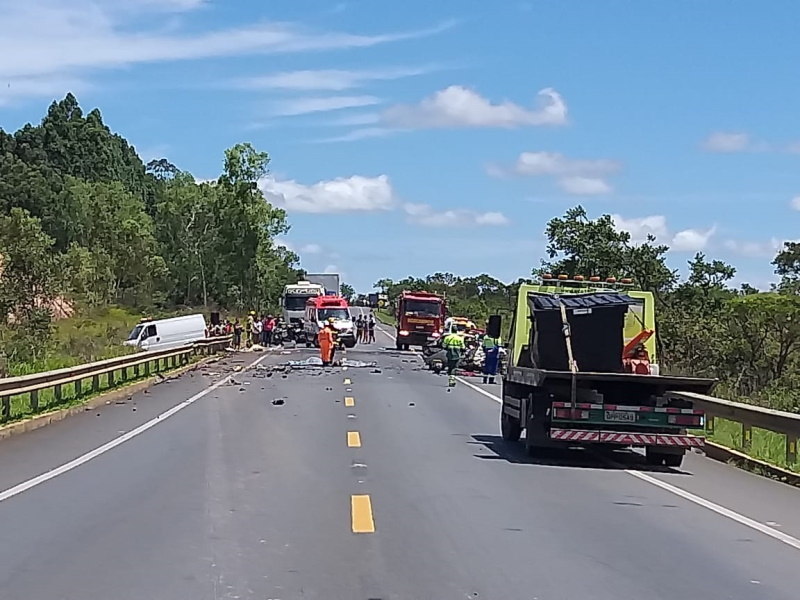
(577, 458)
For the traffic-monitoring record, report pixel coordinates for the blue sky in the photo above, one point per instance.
(414, 137)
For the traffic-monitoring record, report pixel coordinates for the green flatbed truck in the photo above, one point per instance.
(569, 382)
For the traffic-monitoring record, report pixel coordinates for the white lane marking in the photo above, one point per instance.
(712, 506)
(720, 510)
(83, 459)
(480, 390)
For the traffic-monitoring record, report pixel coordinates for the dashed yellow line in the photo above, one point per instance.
(361, 514)
(353, 439)
(347, 381)
(349, 401)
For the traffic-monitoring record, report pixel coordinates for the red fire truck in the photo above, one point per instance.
(420, 318)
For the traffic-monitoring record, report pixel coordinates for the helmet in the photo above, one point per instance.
(331, 320)
(252, 312)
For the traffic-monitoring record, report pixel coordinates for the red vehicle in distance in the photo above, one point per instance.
(420, 318)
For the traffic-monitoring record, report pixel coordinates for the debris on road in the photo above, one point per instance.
(278, 401)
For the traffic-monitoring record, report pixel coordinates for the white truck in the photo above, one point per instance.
(329, 281)
(293, 304)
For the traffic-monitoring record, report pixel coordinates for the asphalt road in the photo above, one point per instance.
(362, 485)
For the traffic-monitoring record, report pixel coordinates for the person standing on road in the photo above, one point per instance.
(237, 335)
(325, 339)
(360, 328)
(453, 345)
(491, 352)
(371, 329)
(269, 327)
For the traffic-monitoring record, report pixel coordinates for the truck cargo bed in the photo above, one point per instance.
(538, 377)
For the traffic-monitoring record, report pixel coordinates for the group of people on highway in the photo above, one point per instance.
(454, 346)
(365, 328)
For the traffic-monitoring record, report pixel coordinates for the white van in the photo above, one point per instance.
(167, 333)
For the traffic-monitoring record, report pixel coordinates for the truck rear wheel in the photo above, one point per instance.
(510, 428)
(657, 458)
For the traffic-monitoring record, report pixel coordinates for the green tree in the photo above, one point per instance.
(347, 292)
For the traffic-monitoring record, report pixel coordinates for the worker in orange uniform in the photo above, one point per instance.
(327, 343)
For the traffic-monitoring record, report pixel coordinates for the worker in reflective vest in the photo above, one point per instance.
(453, 345)
(491, 352)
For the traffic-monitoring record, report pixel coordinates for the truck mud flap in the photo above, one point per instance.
(627, 438)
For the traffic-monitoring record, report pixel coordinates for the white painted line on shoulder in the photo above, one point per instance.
(720, 510)
(83, 459)
(708, 504)
(480, 390)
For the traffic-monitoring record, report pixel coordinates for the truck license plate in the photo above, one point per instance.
(620, 416)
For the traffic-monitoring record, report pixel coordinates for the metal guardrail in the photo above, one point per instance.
(776, 421)
(21, 395)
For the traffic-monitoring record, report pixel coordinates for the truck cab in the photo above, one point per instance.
(322, 308)
(420, 319)
(583, 371)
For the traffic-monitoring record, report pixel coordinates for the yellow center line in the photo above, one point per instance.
(349, 401)
(353, 439)
(347, 381)
(361, 514)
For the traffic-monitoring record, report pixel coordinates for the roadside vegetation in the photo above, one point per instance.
(746, 338)
(91, 238)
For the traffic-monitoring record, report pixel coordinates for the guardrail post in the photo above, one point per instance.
(747, 437)
(95, 383)
(791, 449)
(6, 408)
(111, 378)
(57, 393)
(78, 388)
(136, 371)
(35, 400)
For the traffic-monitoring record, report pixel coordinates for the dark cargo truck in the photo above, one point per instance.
(583, 371)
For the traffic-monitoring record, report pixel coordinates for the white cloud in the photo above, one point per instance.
(795, 203)
(457, 106)
(311, 249)
(351, 194)
(85, 35)
(793, 148)
(358, 134)
(581, 177)
(722, 141)
(331, 269)
(641, 227)
(302, 106)
(334, 80)
(687, 240)
(553, 163)
(51, 86)
(584, 186)
(750, 249)
(427, 216)
(691, 240)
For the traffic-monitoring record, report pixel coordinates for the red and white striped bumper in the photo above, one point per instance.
(627, 438)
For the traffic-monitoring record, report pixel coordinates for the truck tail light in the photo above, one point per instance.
(688, 420)
(403, 332)
(568, 413)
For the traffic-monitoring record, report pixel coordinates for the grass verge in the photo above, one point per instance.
(385, 317)
(765, 445)
(49, 400)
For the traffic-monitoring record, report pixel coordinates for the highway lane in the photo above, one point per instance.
(237, 497)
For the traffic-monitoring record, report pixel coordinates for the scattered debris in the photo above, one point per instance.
(412, 404)
(237, 368)
(278, 401)
(241, 389)
(376, 371)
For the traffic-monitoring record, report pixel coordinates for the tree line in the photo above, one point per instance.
(746, 338)
(83, 219)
